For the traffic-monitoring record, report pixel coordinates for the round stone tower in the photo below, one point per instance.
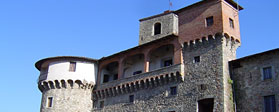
(66, 83)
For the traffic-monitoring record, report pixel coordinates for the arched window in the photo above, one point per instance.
(157, 28)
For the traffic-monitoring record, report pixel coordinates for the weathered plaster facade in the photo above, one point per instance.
(66, 87)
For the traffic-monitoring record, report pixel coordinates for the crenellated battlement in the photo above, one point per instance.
(65, 84)
(180, 64)
(142, 81)
(211, 39)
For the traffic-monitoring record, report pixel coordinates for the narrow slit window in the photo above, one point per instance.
(72, 66)
(173, 90)
(131, 98)
(231, 23)
(137, 72)
(157, 28)
(101, 104)
(49, 101)
(209, 21)
(202, 87)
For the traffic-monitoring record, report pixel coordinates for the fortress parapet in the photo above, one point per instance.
(66, 83)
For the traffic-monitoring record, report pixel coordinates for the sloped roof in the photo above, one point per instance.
(39, 63)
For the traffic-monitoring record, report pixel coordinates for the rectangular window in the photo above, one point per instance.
(209, 21)
(137, 72)
(49, 101)
(72, 66)
(167, 62)
(231, 23)
(269, 104)
(131, 98)
(115, 76)
(106, 78)
(197, 59)
(173, 90)
(267, 73)
(101, 104)
(202, 87)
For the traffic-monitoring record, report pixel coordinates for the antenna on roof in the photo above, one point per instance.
(170, 5)
(237, 6)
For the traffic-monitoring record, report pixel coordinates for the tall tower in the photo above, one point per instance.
(66, 83)
(158, 26)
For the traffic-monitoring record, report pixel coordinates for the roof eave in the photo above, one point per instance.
(39, 63)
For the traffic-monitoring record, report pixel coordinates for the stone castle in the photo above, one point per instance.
(185, 62)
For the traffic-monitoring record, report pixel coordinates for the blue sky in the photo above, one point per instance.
(34, 29)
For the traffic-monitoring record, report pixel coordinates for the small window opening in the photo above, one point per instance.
(173, 90)
(115, 76)
(72, 66)
(167, 63)
(267, 73)
(206, 105)
(269, 103)
(106, 78)
(202, 87)
(95, 105)
(197, 59)
(231, 23)
(157, 28)
(137, 72)
(209, 21)
(49, 101)
(131, 98)
(101, 104)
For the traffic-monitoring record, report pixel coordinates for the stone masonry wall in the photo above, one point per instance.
(229, 54)
(207, 73)
(67, 97)
(250, 86)
(147, 100)
(169, 25)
